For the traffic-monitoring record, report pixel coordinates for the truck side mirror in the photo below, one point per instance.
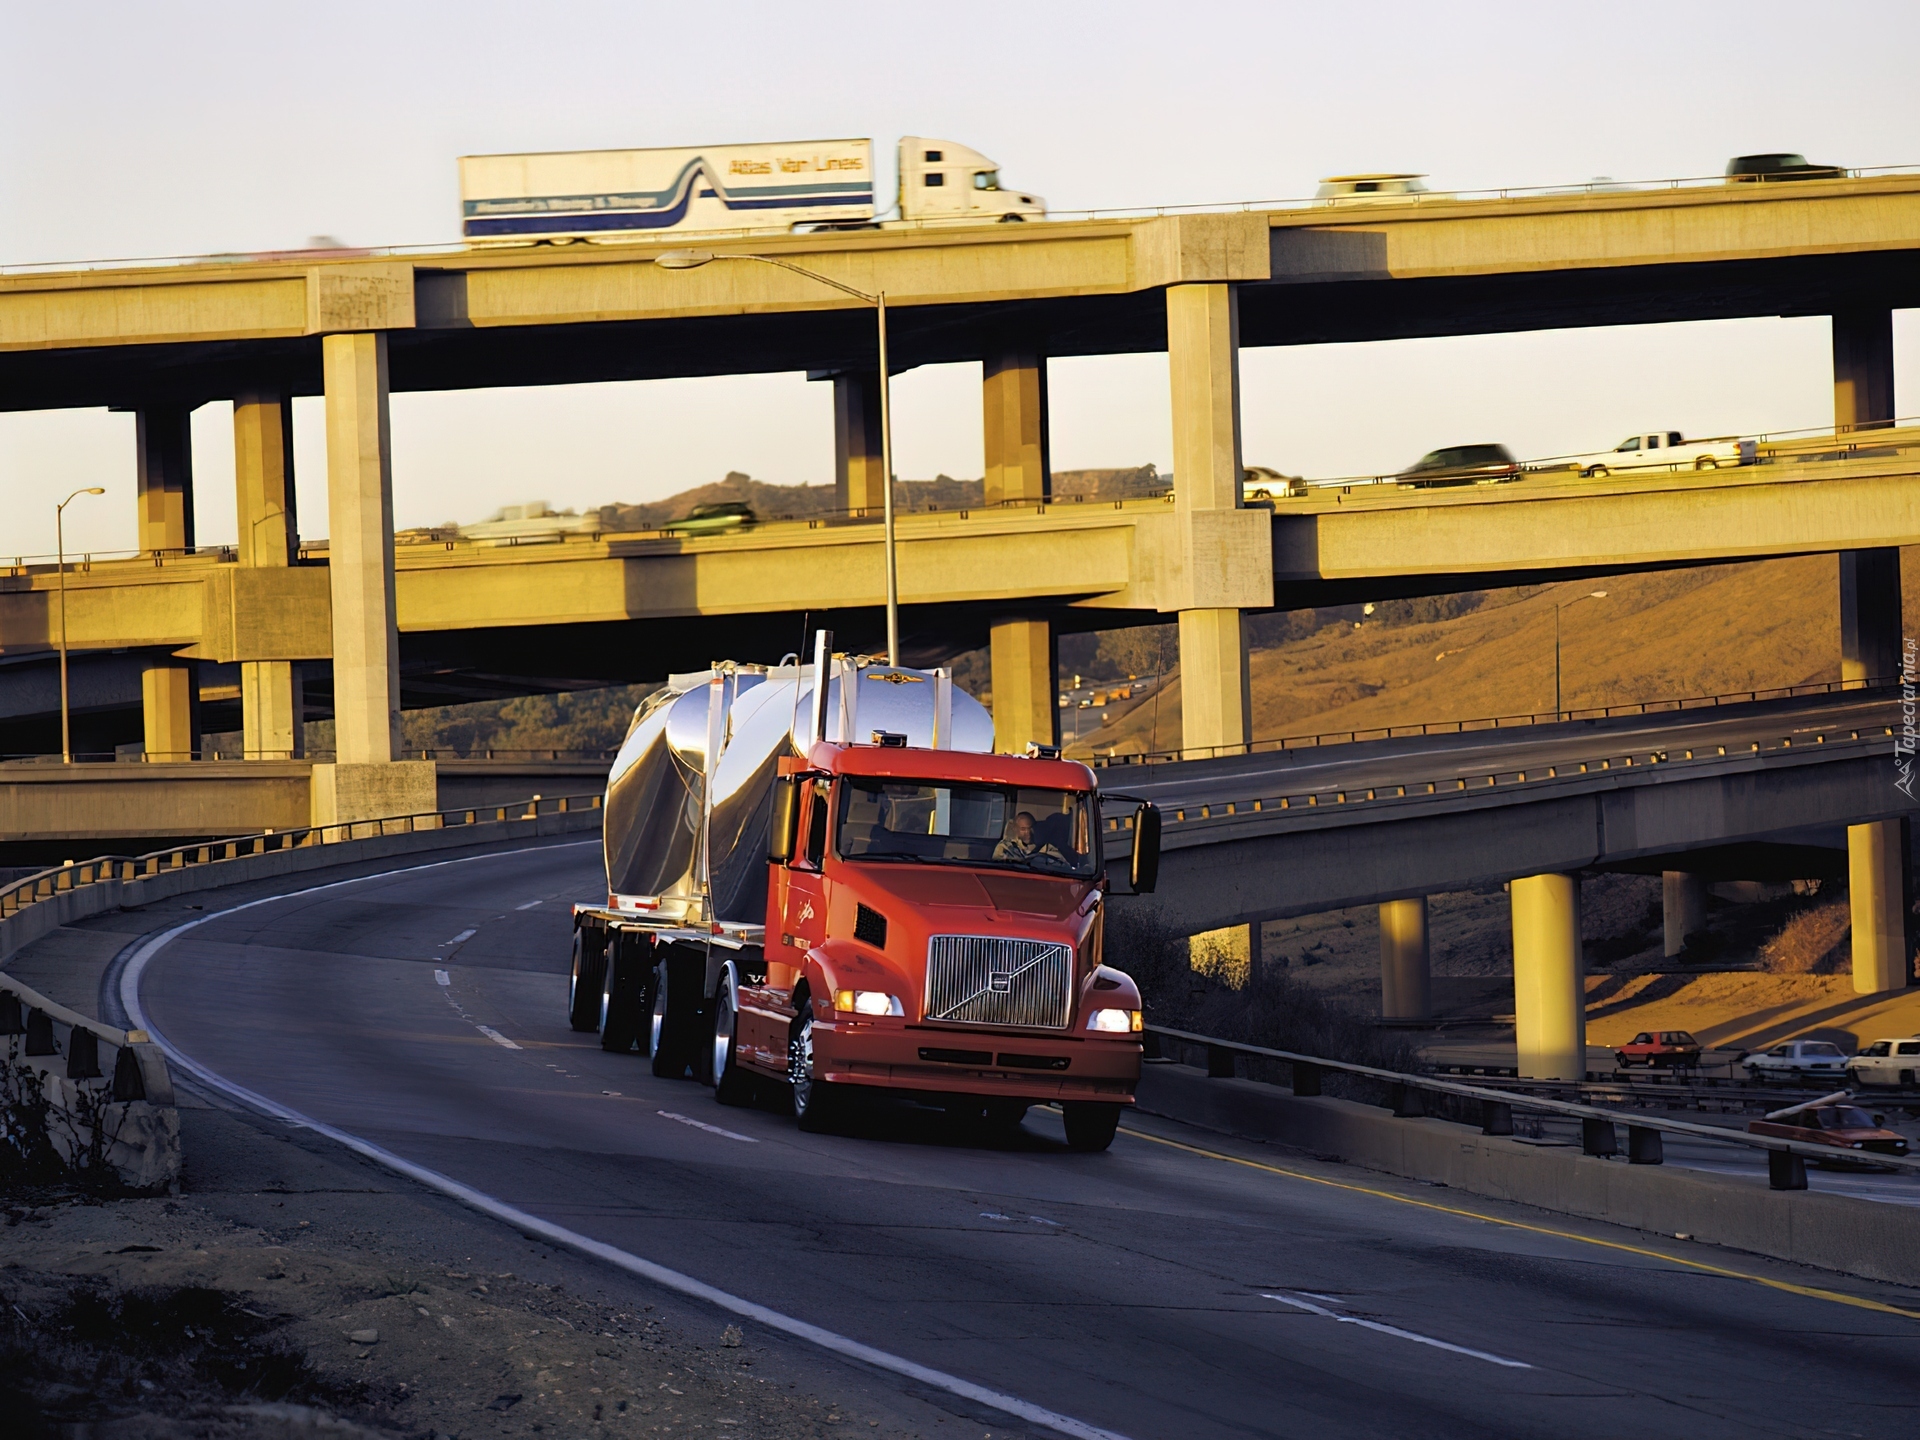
(784, 829)
(1145, 869)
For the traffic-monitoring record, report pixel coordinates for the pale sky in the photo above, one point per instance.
(190, 128)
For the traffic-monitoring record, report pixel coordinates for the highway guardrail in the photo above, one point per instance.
(1786, 1159)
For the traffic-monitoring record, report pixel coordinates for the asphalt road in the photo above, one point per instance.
(1157, 1290)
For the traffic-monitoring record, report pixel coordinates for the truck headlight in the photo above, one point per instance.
(867, 1002)
(1115, 1022)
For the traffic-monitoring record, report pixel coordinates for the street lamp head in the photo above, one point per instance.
(683, 259)
(95, 490)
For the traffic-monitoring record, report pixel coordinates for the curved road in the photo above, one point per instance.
(1158, 1290)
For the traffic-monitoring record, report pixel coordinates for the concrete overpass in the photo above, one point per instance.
(1801, 788)
(165, 338)
(479, 620)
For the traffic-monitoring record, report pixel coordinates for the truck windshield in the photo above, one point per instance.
(939, 823)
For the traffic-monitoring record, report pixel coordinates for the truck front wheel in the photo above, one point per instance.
(1090, 1123)
(814, 1101)
(589, 975)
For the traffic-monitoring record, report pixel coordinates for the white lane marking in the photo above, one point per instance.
(463, 935)
(1330, 1299)
(440, 977)
(495, 1036)
(1398, 1333)
(532, 1224)
(1042, 1220)
(529, 905)
(702, 1125)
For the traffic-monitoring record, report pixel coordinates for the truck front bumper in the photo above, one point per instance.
(1010, 1064)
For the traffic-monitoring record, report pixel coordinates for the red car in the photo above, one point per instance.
(1845, 1127)
(1659, 1047)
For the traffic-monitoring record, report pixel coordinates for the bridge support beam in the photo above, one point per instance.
(1683, 906)
(1549, 978)
(169, 689)
(271, 692)
(1024, 667)
(1226, 550)
(857, 479)
(363, 782)
(1879, 897)
(1014, 415)
(1870, 622)
(1406, 976)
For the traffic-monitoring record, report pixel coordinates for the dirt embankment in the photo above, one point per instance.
(295, 1291)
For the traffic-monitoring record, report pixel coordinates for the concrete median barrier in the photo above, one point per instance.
(1834, 1232)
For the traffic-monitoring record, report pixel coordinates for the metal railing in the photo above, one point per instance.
(1275, 745)
(56, 880)
(1786, 1159)
(224, 753)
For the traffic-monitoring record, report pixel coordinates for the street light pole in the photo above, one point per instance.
(1559, 605)
(693, 260)
(60, 563)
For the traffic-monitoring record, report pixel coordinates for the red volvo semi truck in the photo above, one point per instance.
(820, 878)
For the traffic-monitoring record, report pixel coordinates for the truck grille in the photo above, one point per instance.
(984, 980)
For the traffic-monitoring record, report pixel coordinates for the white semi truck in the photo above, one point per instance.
(624, 194)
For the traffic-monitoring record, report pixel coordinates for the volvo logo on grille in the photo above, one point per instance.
(1000, 981)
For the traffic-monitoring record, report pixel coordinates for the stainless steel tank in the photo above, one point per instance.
(690, 794)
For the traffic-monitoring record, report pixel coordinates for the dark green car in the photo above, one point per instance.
(710, 519)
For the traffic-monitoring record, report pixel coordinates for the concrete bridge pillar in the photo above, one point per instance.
(363, 782)
(1879, 896)
(1870, 621)
(169, 690)
(858, 482)
(1226, 551)
(1406, 976)
(271, 698)
(1683, 906)
(1014, 411)
(1549, 978)
(1025, 668)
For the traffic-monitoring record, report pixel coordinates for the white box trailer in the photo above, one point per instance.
(623, 194)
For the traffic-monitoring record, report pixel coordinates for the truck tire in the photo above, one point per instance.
(589, 975)
(1597, 472)
(1906, 1079)
(731, 1084)
(1706, 462)
(623, 1002)
(667, 1027)
(815, 1102)
(1090, 1123)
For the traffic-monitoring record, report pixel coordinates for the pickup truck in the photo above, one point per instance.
(1886, 1062)
(1663, 450)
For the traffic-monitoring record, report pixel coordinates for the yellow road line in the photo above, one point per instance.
(1813, 1292)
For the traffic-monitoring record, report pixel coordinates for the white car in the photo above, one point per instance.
(1797, 1060)
(1887, 1062)
(1384, 187)
(1663, 450)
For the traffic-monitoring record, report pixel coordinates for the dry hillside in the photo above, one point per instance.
(1706, 631)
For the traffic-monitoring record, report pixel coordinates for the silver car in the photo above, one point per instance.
(1797, 1060)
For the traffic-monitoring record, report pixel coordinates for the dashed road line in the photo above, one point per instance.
(463, 935)
(529, 905)
(1397, 1332)
(703, 1125)
(495, 1036)
(440, 977)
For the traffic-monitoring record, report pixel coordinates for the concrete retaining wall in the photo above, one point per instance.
(1835, 1232)
(103, 1104)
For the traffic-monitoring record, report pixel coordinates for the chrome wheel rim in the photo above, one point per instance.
(800, 1066)
(657, 1025)
(723, 1023)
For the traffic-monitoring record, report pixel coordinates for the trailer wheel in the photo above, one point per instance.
(814, 1101)
(622, 1003)
(666, 1030)
(1090, 1123)
(589, 976)
(731, 1084)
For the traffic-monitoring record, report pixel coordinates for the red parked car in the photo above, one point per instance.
(1845, 1127)
(1659, 1047)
